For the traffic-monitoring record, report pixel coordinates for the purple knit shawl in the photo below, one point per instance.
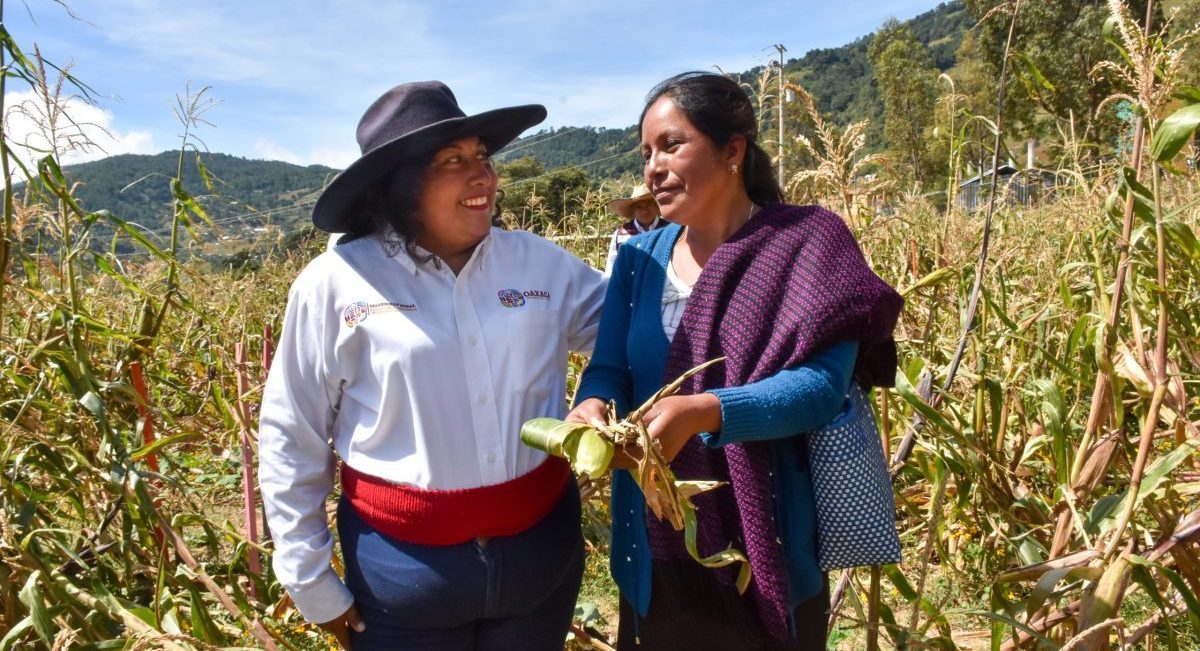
(788, 284)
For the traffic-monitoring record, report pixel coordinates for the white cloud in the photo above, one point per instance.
(276, 45)
(293, 77)
(83, 131)
(335, 157)
(267, 150)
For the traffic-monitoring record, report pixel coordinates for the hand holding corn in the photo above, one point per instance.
(646, 440)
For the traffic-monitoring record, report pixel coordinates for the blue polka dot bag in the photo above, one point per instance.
(856, 519)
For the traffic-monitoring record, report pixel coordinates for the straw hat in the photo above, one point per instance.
(624, 207)
(409, 121)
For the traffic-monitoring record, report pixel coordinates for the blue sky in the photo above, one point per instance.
(292, 77)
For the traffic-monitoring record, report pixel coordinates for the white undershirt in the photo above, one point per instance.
(619, 237)
(415, 375)
(675, 296)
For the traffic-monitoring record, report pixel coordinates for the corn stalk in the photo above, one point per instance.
(841, 161)
(1101, 395)
(968, 326)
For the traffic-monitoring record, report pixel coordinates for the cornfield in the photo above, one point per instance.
(1042, 432)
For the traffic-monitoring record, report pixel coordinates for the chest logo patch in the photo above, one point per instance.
(511, 297)
(517, 298)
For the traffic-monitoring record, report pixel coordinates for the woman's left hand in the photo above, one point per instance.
(675, 419)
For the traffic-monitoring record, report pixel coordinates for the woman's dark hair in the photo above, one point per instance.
(389, 207)
(720, 109)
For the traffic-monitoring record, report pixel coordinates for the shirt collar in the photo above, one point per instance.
(480, 255)
(477, 259)
(653, 225)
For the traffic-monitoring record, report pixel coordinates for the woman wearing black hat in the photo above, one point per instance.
(412, 353)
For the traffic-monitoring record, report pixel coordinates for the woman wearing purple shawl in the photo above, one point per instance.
(784, 294)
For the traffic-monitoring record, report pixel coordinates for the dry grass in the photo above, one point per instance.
(96, 547)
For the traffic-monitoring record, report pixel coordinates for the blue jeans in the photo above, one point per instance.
(510, 592)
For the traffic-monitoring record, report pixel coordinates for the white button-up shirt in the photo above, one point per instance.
(415, 375)
(619, 237)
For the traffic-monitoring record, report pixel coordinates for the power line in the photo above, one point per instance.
(279, 210)
(242, 217)
(580, 166)
(530, 143)
(524, 145)
(307, 204)
(258, 213)
(527, 144)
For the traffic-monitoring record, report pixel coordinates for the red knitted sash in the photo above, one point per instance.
(450, 517)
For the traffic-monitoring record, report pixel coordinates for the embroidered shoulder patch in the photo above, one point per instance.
(358, 311)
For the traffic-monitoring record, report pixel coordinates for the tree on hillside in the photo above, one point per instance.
(607, 153)
(1186, 15)
(969, 89)
(906, 78)
(763, 89)
(1058, 45)
(517, 182)
(840, 78)
(566, 190)
(533, 195)
(974, 77)
(941, 29)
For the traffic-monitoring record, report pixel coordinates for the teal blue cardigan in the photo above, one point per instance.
(627, 367)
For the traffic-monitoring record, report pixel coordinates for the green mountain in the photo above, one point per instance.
(602, 153)
(839, 78)
(238, 194)
(242, 195)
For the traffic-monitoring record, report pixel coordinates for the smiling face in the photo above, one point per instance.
(457, 200)
(685, 170)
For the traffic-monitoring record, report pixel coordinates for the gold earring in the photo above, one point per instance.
(733, 168)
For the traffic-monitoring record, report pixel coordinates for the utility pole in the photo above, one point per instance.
(779, 100)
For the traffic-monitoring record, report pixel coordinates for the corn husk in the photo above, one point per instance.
(590, 450)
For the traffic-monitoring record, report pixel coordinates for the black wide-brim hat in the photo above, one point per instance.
(409, 121)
